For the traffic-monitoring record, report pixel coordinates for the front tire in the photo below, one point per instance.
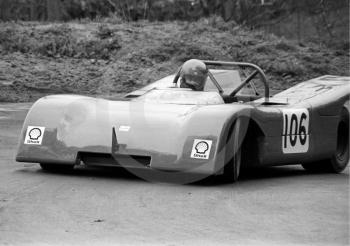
(56, 167)
(340, 159)
(233, 155)
(233, 167)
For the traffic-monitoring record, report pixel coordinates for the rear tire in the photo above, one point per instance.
(340, 159)
(56, 167)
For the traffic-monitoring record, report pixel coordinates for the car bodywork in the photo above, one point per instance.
(173, 129)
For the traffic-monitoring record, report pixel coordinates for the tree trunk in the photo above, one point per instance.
(33, 10)
(4, 9)
(55, 10)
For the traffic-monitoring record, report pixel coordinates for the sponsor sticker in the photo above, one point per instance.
(124, 128)
(34, 135)
(201, 149)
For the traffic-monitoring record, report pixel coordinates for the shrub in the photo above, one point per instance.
(60, 40)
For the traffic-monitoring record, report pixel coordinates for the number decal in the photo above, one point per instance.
(295, 136)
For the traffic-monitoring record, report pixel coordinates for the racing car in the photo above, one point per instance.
(218, 131)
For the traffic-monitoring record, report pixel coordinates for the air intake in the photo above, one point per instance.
(103, 159)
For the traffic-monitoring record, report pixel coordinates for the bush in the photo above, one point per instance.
(60, 41)
(123, 57)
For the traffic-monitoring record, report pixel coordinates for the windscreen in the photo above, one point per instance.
(227, 79)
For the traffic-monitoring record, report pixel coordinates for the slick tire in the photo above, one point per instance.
(232, 168)
(340, 159)
(234, 156)
(56, 167)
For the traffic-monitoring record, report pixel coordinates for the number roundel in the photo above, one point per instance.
(295, 136)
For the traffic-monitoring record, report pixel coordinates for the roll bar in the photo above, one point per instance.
(257, 69)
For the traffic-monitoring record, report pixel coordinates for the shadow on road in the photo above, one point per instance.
(114, 173)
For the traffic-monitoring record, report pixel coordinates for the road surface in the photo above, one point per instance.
(272, 206)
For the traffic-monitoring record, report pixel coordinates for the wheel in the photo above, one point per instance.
(236, 163)
(234, 156)
(340, 159)
(233, 167)
(56, 167)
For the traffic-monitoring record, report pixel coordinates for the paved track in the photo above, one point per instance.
(273, 206)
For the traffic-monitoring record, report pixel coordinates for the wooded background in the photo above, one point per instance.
(325, 20)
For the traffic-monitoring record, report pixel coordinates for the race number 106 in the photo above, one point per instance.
(295, 136)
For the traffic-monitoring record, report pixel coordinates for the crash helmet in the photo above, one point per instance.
(193, 74)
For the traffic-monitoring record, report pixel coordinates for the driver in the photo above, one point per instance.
(193, 75)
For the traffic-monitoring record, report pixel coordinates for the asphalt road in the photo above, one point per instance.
(272, 206)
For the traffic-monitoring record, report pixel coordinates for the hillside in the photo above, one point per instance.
(110, 57)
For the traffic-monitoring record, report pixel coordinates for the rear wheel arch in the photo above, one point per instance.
(340, 158)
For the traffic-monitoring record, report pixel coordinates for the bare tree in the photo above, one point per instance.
(56, 10)
(4, 9)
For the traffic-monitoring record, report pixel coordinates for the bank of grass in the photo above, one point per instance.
(110, 57)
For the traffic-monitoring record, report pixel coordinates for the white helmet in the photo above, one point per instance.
(194, 74)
